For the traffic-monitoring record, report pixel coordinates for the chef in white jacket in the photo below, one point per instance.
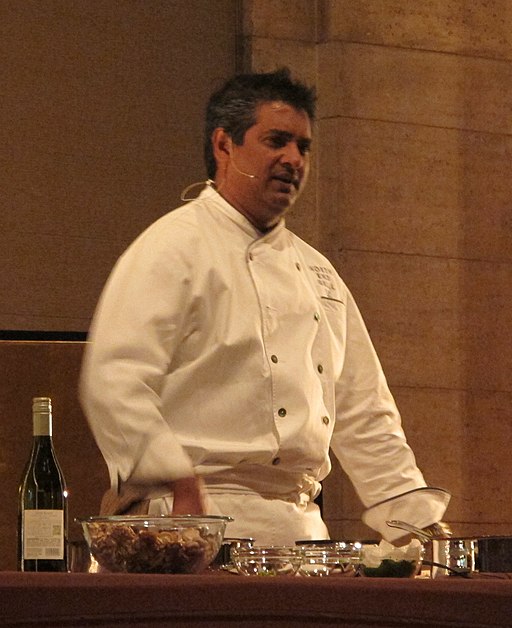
(227, 356)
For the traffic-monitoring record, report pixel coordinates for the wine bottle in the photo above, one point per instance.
(42, 518)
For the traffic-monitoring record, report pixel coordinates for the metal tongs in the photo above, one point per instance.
(423, 535)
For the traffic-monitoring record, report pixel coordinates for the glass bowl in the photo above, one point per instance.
(162, 544)
(266, 561)
(395, 563)
(324, 559)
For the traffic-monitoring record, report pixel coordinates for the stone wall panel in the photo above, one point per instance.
(417, 87)
(481, 28)
(281, 19)
(411, 189)
(436, 322)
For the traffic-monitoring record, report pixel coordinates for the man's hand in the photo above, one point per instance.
(188, 496)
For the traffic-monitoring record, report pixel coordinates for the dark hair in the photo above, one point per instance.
(233, 106)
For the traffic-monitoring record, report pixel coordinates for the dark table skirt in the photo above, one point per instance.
(222, 600)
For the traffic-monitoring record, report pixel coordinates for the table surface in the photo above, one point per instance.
(223, 599)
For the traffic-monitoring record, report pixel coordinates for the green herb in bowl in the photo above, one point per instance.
(387, 561)
(391, 569)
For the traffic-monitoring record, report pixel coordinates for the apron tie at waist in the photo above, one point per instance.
(300, 498)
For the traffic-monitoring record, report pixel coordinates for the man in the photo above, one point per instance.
(227, 355)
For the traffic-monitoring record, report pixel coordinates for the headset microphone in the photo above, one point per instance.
(246, 174)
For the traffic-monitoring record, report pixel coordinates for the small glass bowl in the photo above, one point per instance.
(324, 559)
(267, 561)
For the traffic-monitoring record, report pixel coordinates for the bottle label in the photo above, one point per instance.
(43, 534)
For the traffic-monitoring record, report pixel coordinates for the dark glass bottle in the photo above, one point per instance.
(42, 520)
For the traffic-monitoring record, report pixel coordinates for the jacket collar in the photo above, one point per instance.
(220, 204)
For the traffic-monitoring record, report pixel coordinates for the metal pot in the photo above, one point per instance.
(488, 554)
(494, 554)
(463, 555)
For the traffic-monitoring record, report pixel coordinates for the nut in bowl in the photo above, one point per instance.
(162, 544)
(267, 561)
(387, 561)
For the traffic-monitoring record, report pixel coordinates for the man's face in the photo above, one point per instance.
(275, 152)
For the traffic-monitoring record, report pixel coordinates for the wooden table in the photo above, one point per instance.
(226, 600)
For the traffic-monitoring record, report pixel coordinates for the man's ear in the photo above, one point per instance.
(221, 143)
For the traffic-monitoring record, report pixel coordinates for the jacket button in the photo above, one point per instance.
(317, 316)
(297, 265)
(276, 461)
(325, 420)
(281, 412)
(274, 359)
(320, 368)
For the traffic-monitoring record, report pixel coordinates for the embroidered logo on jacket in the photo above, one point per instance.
(325, 279)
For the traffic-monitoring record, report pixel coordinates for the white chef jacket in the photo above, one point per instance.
(242, 358)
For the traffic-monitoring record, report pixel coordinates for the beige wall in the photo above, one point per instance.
(412, 201)
(101, 120)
